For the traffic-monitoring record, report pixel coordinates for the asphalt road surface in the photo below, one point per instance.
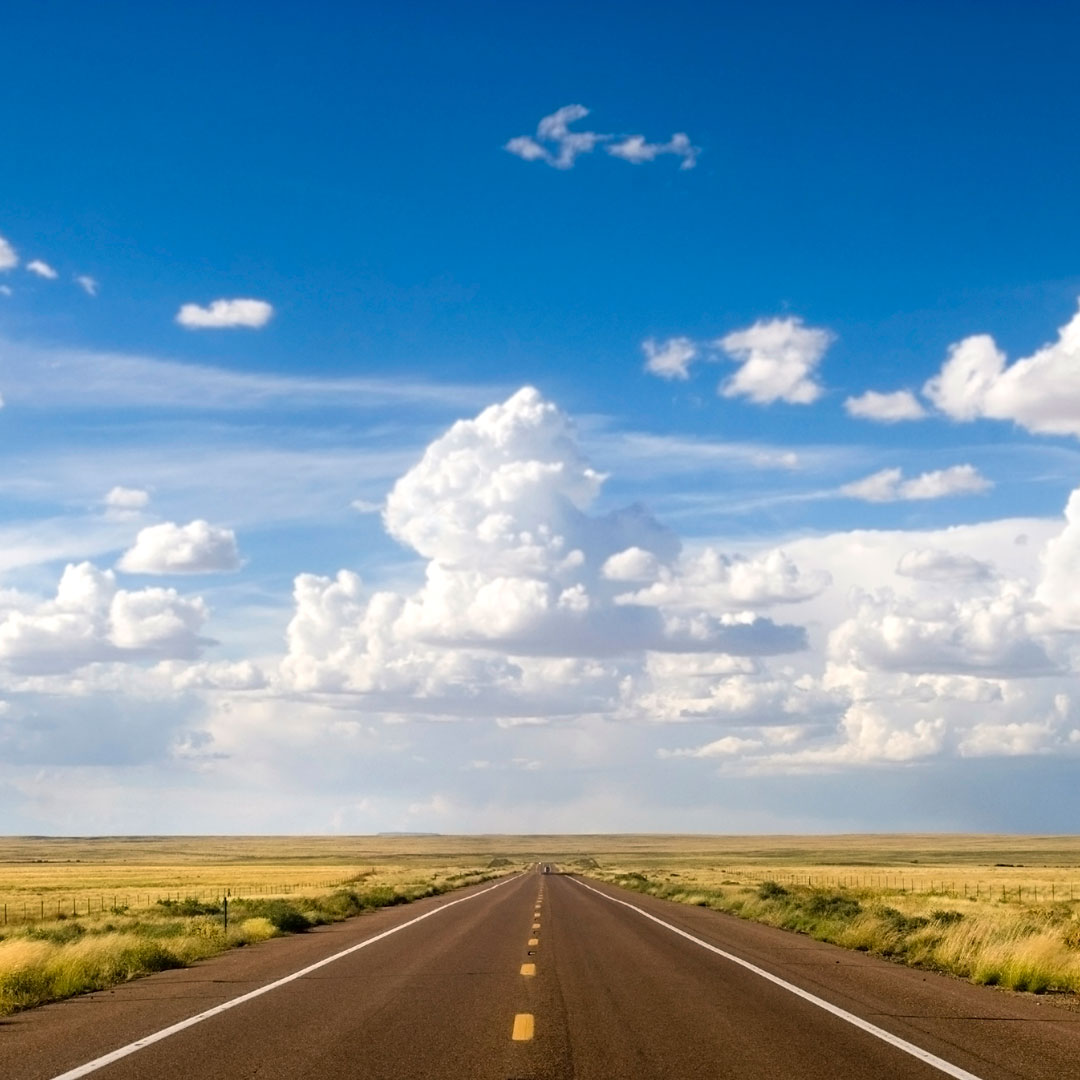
(544, 976)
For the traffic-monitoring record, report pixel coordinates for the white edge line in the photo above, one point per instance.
(164, 1033)
(886, 1036)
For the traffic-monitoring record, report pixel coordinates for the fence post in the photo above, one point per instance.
(225, 910)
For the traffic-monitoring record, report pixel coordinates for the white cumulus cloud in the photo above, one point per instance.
(778, 360)
(633, 564)
(90, 620)
(889, 485)
(226, 314)
(519, 576)
(1058, 590)
(88, 284)
(195, 548)
(885, 408)
(1040, 392)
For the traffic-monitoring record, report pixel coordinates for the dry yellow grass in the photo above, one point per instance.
(41, 877)
(277, 886)
(900, 886)
(999, 910)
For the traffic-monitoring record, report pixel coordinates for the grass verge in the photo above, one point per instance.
(50, 961)
(1034, 948)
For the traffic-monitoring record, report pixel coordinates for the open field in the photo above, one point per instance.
(994, 909)
(82, 914)
(38, 875)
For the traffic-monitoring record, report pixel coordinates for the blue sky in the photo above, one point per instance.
(785, 207)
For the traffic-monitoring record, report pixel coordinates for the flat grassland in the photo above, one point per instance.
(998, 910)
(83, 913)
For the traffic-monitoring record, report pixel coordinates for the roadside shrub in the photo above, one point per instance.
(282, 915)
(57, 935)
(342, 904)
(190, 906)
(253, 930)
(379, 896)
(832, 906)
(771, 890)
(898, 922)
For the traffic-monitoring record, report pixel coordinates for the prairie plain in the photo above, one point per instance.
(85, 912)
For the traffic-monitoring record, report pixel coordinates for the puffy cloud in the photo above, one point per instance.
(992, 634)
(889, 485)
(738, 693)
(633, 564)
(42, 269)
(195, 548)
(219, 675)
(8, 257)
(1040, 392)
(777, 361)
(1058, 590)
(713, 580)
(519, 574)
(886, 408)
(933, 564)
(225, 314)
(869, 736)
(559, 146)
(91, 620)
(669, 359)
(88, 284)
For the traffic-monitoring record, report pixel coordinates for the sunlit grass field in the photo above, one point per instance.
(83, 914)
(995, 909)
(998, 910)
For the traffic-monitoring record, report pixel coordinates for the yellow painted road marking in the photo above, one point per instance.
(523, 1027)
(528, 969)
(534, 941)
(536, 926)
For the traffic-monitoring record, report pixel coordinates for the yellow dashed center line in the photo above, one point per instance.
(534, 941)
(528, 969)
(524, 1026)
(536, 926)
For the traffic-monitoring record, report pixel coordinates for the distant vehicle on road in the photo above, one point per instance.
(547, 868)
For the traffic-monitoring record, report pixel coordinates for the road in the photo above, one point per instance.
(544, 976)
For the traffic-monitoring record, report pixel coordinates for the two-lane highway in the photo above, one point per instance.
(544, 976)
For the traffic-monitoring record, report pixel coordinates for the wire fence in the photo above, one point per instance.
(1021, 892)
(119, 902)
